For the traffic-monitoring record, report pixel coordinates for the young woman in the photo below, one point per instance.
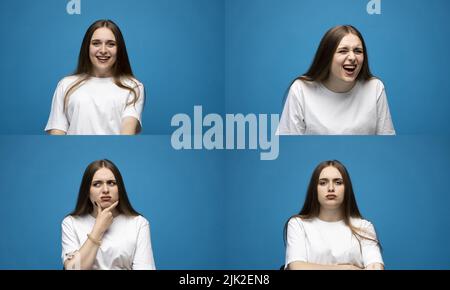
(329, 232)
(104, 231)
(338, 95)
(102, 97)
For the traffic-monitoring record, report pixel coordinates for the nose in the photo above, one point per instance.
(103, 49)
(331, 187)
(105, 188)
(351, 56)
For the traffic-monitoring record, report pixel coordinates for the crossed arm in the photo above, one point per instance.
(310, 266)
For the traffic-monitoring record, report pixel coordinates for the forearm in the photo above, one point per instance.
(56, 132)
(375, 266)
(312, 266)
(85, 257)
(130, 126)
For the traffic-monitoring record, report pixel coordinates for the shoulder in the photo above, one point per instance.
(297, 221)
(303, 84)
(374, 84)
(362, 224)
(139, 221)
(133, 82)
(71, 220)
(68, 80)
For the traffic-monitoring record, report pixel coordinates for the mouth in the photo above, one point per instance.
(349, 69)
(103, 59)
(105, 198)
(331, 196)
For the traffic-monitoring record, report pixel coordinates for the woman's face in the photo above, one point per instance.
(103, 52)
(104, 189)
(331, 188)
(347, 60)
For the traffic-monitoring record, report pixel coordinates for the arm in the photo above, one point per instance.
(375, 266)
(85, 257)
(56, 132)
(310, 266)
(292, 119)
(57, 123)
(130, 126)
(384, 119)
(143, 256)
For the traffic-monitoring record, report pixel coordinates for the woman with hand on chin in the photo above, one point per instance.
(104, 231)
(338, 95)
(329, 233)
(102, 97)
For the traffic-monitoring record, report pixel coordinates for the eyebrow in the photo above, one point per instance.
(346, 47)
(97, 180)
(326, 179)
(108, 40)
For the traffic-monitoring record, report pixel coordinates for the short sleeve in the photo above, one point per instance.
(292, 121)
(384, 120)
(370, 249)
(143, 256)
(135, 110)
(58, 119)
(70, 243)
(295, 242)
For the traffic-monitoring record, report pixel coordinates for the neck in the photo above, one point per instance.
(338, 86)
(98, 74)
(331, 215)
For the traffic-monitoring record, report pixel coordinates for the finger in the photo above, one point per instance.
(113, 206)
(98, 208)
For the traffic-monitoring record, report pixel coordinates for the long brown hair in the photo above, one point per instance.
(121, 69)
(84, 205)
(320, 67)
(311, 206)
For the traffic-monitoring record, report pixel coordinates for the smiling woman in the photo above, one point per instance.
(102, 97)
(338, 95)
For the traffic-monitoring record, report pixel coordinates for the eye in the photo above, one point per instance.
(112, 183)
(111, 44)
(95, 43)
(322, 182)
(358, 51)
(96, 184)
(339, 182)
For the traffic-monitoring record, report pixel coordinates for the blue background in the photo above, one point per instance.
(400, 185)
(268, 43)
(227, 55)
(180, 193)
(175, 49)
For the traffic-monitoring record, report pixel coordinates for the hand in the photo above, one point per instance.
(349, 267)
(103, 220)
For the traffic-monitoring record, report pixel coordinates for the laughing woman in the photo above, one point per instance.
(104, 232)
(102, 97)
(338, 95)
(329, 233)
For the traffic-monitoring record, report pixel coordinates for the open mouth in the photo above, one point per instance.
(103, 58)
(350, 69)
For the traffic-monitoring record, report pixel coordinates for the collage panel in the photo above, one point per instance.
(398, 184)
(173, 49)
(179, 193)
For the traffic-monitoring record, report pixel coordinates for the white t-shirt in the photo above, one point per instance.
(125, 245)
(330, 243)
(312, 109)
(97, 107)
